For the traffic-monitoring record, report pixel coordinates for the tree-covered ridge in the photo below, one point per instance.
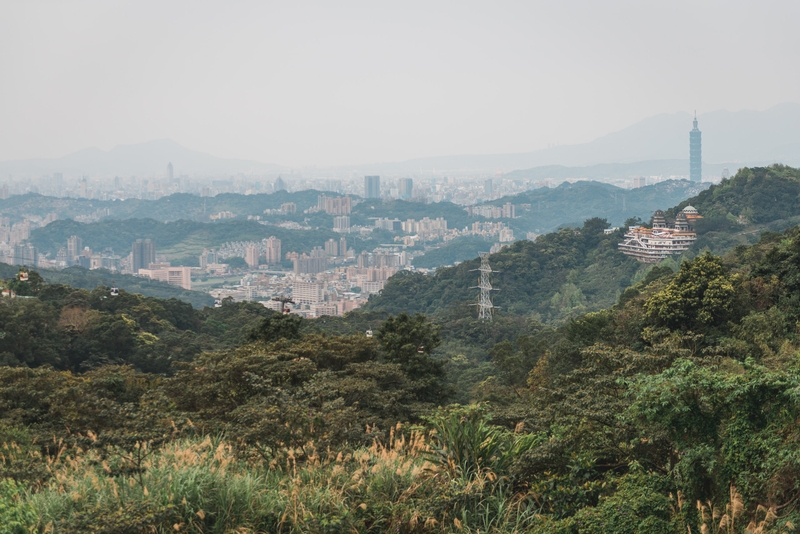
(78, 330)
(459, 249)
(169, 208)
(753, 195)
(561, 274)
(81, 278)
(184, 237)
(570, 204)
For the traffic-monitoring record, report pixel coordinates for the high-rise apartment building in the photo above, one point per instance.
(143, 253)
(341, 223)
(695, 154)
(305, 264)
(406, 188)
(251, 256)
(208, 257)
(488, 188)
(74, 248)
(308, 292)
(335, 205)
(372, 187)
(273, 250)
(332, 247)
(170, 172)
(25, 254)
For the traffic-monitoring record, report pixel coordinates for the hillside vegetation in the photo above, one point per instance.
(561, 274)
(672, 411)
(570, 204)
(183, 239)
(81, 278)
(675, 409)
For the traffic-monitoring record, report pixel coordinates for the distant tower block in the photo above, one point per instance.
(695, 153)
(372, 187)
(170, 172)
(485, 306)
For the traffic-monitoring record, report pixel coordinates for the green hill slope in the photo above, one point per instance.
(182, 238)
(81, 278)
(571, 204)
(561, 274)
(570, 272)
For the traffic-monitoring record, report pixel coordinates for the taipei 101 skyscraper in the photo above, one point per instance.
(695, 154)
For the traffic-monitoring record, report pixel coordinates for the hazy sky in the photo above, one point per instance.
(321, 83)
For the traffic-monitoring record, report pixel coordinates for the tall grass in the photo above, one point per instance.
(205, 485)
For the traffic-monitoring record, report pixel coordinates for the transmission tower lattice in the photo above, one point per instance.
(485, 306)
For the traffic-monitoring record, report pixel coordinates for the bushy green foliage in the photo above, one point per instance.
(700, 295)
(80, 278)
(17, 515)
(753, 195)
(552, 208)
(79, 330)
(465, 444)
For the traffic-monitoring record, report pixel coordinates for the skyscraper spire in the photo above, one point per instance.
(695, 153)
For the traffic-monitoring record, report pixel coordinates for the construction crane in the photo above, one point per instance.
(284, 300)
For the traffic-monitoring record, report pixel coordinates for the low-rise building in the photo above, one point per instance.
(176, 276)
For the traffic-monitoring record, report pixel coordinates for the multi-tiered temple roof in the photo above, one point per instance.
(651, 245)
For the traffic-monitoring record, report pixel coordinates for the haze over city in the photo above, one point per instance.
(323, 84)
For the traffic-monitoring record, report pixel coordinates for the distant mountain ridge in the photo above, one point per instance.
(730, 138)
(146, 158)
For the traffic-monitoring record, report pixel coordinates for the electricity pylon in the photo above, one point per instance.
(485, 304)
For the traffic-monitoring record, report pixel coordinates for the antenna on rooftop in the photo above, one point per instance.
(485, 305)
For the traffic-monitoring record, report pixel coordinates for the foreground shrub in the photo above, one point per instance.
(16, 515)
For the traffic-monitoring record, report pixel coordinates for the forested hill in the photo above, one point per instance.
(559, 275)
(169, 208)
(737, 210)
(569, 272)
(571, 204)
(183, 240)
(81, 278)
(77, 329)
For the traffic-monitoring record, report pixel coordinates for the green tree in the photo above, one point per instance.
(277, 326)
(409, 341)
(699, 296)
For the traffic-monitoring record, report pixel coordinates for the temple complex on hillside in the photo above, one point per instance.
(651, 245)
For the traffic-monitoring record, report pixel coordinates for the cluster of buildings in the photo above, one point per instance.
(14, 248)
(268, 248)
(320, 283)
(665, 238)
(286, 208)
(506, 211)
